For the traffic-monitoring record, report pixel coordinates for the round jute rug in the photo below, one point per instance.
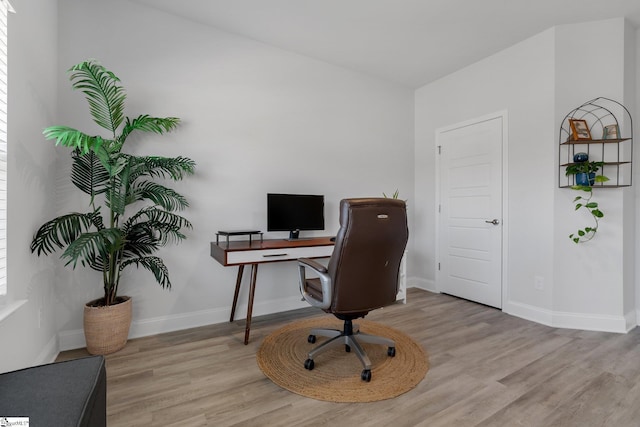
(336, 376)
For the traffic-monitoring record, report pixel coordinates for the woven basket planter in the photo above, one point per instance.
(106, 329)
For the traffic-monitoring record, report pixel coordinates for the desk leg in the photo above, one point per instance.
(252, 291)
(235, 295)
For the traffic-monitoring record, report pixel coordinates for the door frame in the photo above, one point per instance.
(502, 114)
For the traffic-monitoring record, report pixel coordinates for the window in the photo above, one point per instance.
(5, 7)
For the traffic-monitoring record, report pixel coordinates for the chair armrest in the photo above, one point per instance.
(313, 264)
(325, 282)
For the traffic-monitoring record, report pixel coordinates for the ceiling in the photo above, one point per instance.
(410, 42)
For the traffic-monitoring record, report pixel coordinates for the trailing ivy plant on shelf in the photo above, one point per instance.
(107, 237)
(585, 173)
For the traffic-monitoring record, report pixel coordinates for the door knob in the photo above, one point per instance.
(494, 222)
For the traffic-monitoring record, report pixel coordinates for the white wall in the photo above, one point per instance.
(630, 88)
(636, 177)
(29, 334)
(519, 80)
(538, 81)
(256, 119)
(630, 242)
(590, 279)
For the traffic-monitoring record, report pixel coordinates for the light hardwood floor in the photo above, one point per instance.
(487, 369)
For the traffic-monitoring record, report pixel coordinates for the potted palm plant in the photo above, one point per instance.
(107, 238)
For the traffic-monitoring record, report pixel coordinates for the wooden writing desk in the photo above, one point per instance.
(244, 252)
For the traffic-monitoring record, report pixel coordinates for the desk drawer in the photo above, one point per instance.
(274, 255)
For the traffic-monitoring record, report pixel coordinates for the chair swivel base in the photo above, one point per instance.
(349, 339)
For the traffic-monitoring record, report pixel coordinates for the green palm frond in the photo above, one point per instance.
(96, 219)
(118, 162)
(157, 215)
(163, 233)
(140, 242)
(146, 123)
(103, 92)
(164, 226)
(118, 192)
(60, 232)
(73, 138)
(88, 173)
(165, 197)
(163, 167)
(91, 246)
(154, 265)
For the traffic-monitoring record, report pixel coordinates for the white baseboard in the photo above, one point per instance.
(49, 352)
(72, 339)
(584, 321)
(427, 285)
(529, 312)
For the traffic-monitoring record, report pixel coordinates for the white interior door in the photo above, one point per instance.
(470, 211)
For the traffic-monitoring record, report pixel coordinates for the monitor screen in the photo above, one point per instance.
(294, 212)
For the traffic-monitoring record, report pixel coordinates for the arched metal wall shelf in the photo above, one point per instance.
(616, 153)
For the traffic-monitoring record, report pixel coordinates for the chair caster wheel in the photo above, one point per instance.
(366, 375)
(311, 339)
(391, 351)
(308, 364)
(347, 348)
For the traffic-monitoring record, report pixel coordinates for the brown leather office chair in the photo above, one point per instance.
(362, 274)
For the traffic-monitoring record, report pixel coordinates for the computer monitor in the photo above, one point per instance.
(295, 212)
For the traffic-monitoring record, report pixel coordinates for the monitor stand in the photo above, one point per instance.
(294, 236)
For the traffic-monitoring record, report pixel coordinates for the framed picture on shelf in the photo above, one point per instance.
(579, 130)
(611, 132)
